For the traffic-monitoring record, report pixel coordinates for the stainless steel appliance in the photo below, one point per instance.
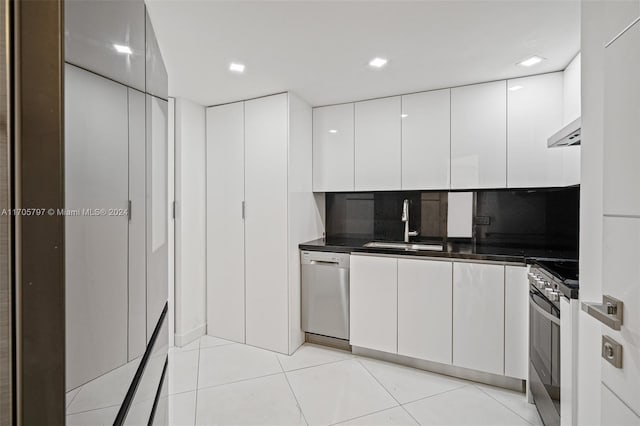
(325, 293)
(548, 282)
(569, 135)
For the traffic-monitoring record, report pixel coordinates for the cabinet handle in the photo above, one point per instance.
(129, 210)
(243, 207)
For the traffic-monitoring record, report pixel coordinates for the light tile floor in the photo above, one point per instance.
(217, 382)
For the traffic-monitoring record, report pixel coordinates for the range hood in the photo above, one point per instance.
(567, 136)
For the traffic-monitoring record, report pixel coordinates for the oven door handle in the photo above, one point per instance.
(544, 313)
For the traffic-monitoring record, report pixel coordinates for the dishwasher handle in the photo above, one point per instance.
(326, 259)
(325, 262)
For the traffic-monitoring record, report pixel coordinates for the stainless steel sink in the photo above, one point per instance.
(404, 246)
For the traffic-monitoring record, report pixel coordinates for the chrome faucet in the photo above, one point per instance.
(405, 219)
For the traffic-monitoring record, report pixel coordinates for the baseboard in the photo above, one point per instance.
(449, 370)
(188, 337)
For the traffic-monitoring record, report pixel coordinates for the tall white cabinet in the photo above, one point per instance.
(96, 170)
(266, 178)
(271, 138)
(225, 221)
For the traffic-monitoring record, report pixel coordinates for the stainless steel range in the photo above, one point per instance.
(549, 281)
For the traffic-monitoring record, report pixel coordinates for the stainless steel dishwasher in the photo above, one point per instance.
(325, 293)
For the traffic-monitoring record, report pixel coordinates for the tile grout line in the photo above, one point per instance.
(386, 390)
(266, 375)
(318, 365)
(293, 392)
(380, 383)
(504, 405)
(435, 394)
(195, 409)
(364, 415)
(234, 382)
(93, 409)
(72, 399)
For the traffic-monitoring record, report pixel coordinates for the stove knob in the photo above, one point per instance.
(540, 284)
(548, 292)
(554, 296)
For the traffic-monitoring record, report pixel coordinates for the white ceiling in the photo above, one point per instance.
(320, 49)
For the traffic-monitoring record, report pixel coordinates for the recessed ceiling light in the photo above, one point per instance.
(378, 62)
(531, 61)
(514, 88)
(236, 67)
(404, 115)
(333, 131)
(122, 49)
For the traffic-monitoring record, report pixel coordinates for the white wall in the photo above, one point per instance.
(305, 211)
(190, 241)
(571, 90)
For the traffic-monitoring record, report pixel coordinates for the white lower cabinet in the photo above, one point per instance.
(465, 314)
(374, 302)
(478, 317)
(425, 309)
(516, 322)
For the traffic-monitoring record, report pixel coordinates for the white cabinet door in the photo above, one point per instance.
(373, 302)
(333, 148)
(478, 136)
(377, 144)
(426, 140)
(157, 210)
(516, 322)
(534, 113)
(622, 149)
(267, 307)
(424, 309)
(96, 176)
(225, 222)
(478, 317)
(137, 232)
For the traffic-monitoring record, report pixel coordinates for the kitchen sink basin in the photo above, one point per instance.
(404, 246)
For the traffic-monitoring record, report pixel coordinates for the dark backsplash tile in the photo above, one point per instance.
(541, 218)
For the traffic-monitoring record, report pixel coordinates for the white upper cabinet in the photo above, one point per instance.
(425, 309)
(478, 317)
(478, 136)
(426, 140)
(534, 113)
(373, 303)
(377, 144)
(333, 148)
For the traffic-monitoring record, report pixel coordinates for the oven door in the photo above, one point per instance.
(544, 355)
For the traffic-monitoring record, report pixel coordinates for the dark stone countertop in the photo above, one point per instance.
(453, 250)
